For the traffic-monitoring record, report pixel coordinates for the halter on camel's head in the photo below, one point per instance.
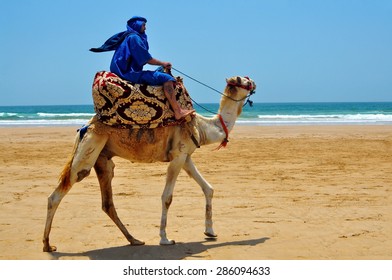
(238, 89)
(236, 82)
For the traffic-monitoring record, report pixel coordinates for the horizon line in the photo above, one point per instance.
(266, 102)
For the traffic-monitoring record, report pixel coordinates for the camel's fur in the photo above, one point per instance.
(166, 144)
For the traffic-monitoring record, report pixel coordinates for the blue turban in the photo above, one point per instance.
(134, 25)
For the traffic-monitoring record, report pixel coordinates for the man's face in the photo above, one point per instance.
(143, 29)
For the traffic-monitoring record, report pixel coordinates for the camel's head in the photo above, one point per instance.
(238, 82)
(238, 89)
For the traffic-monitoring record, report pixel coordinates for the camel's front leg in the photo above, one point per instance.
(208, 191)
(167, 196)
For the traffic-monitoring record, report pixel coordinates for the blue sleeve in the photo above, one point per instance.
(138, 50)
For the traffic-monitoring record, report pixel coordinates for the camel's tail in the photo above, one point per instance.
(65, 175)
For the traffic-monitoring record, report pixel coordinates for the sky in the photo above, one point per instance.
(295, 51)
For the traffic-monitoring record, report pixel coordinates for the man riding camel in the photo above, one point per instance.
(131, 54)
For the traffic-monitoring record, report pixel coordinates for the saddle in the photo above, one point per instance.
(120, 103)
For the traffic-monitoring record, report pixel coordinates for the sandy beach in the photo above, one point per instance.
(295, 192)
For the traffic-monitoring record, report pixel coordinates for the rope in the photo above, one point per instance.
(204, 108)
(226, 139)
(198, 81)
(236, 100)
(248, 101)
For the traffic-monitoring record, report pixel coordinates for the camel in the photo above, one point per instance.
(99, 143)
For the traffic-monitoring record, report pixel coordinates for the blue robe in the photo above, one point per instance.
(131, 54)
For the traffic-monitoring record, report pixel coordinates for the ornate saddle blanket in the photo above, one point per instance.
(120, 103)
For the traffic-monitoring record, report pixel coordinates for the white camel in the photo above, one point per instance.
(174, 144)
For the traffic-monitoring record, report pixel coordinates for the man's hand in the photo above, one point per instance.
(167, 65)
(154, 61)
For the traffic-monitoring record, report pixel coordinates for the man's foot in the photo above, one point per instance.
(183, 113)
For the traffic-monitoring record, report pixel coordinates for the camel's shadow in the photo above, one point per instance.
(155, 252)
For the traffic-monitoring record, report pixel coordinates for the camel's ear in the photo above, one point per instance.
(231, 88)
(230, 80)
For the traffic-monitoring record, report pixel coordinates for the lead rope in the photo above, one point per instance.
(236, 100)
(197, 81)
(226, 139)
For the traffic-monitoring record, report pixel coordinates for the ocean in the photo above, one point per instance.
(349, 113)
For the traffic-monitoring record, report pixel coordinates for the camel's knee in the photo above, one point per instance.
(167, 200)
(106, 207)
(55, 198)
(208, 192)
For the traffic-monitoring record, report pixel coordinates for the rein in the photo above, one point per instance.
(231, 84)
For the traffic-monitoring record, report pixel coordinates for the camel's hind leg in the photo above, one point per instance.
(208, 191)
(85, 154)
(104, 167)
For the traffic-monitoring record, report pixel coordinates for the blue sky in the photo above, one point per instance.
(296, 51)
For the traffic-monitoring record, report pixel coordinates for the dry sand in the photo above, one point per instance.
(312, 192)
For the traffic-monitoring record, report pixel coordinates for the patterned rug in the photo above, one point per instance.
(123, 104)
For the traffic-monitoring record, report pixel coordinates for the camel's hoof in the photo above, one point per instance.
(210, 235)
(48, 248)
(136, 242)
(167, 242)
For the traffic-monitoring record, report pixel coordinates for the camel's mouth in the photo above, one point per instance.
(252, 86)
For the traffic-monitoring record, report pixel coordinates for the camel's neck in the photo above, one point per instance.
(229, 113)
(211, 130)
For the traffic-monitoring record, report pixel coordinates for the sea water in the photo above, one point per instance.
(348, 113)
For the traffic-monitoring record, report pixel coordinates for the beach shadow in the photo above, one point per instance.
(178, 251)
